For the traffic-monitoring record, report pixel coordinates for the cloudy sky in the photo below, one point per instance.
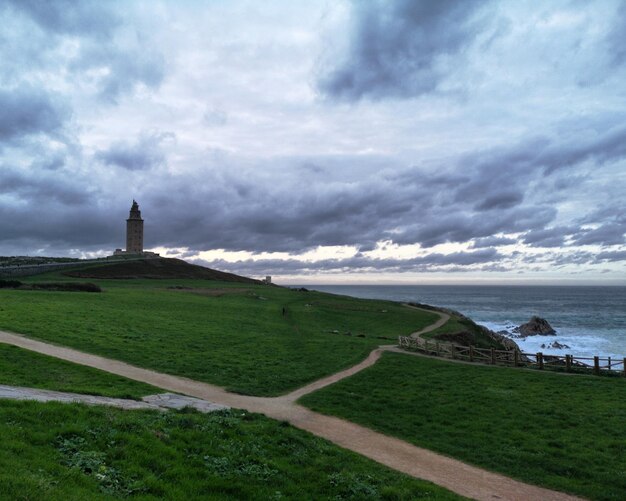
(321, 142)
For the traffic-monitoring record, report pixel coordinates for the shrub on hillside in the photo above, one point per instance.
(10, 284)
(68, 286)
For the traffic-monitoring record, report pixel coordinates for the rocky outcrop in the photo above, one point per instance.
(469, 337)
(536, 326)
(505, 341)
(464, 338)
(555, 346)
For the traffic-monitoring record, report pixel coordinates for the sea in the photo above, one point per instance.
(589, 320)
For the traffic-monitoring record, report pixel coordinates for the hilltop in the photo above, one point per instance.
(157, 268)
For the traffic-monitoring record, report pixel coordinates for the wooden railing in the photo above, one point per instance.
(514, 358)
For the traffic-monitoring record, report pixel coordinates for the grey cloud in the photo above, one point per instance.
(548, 237)
(607, 234)
(493, 241)
(432, 262)
(108, 52)
(25, 111)
(87, 228)
(145, 153)
(73, 17)
(397, 48)
(501, 200)
(611, 256)
(518, 163)
(617, 36)
(215, 117)
(461, 226)
(41, 188)
(126, 67)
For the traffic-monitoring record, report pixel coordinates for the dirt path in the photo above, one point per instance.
(443, 318)
(452, 474)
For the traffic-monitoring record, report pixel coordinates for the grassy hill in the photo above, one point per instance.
(156, 268)
(249, 338)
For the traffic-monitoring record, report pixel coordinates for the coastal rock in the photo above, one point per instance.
(536, 326)
(503, 338)
(555, 346)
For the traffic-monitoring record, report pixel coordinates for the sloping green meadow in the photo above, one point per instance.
(61, 452)
(260, 340)
(20, 367)
(565, 432)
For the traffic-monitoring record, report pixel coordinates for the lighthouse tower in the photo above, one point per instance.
(134, 231)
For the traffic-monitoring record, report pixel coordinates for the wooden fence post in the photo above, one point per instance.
(596, 365)
(471, 355)
(437, 348)
(625, 366)
(568, 363)
(540, 360)
(493, 356)
(609, 364)
(515, 358)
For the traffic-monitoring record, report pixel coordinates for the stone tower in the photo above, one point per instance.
(134, 231)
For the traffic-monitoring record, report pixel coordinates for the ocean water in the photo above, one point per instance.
(590, 320)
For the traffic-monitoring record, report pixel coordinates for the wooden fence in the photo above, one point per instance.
(513, 358)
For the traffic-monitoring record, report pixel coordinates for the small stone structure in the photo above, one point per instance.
(268, 280)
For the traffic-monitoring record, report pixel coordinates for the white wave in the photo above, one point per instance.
(579, 343)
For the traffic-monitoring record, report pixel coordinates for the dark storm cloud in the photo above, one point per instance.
(445, 224)
(224, 208)
(144, 153)
(25, 111)
(40, 188)
(56, 209)
(502, 200)
(277, 215)
(486, 193)
(79, 226)
(397, 48)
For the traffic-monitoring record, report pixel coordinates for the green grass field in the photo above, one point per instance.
(71, 452)
(24, 368)
(560, 431)
(241, 340)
